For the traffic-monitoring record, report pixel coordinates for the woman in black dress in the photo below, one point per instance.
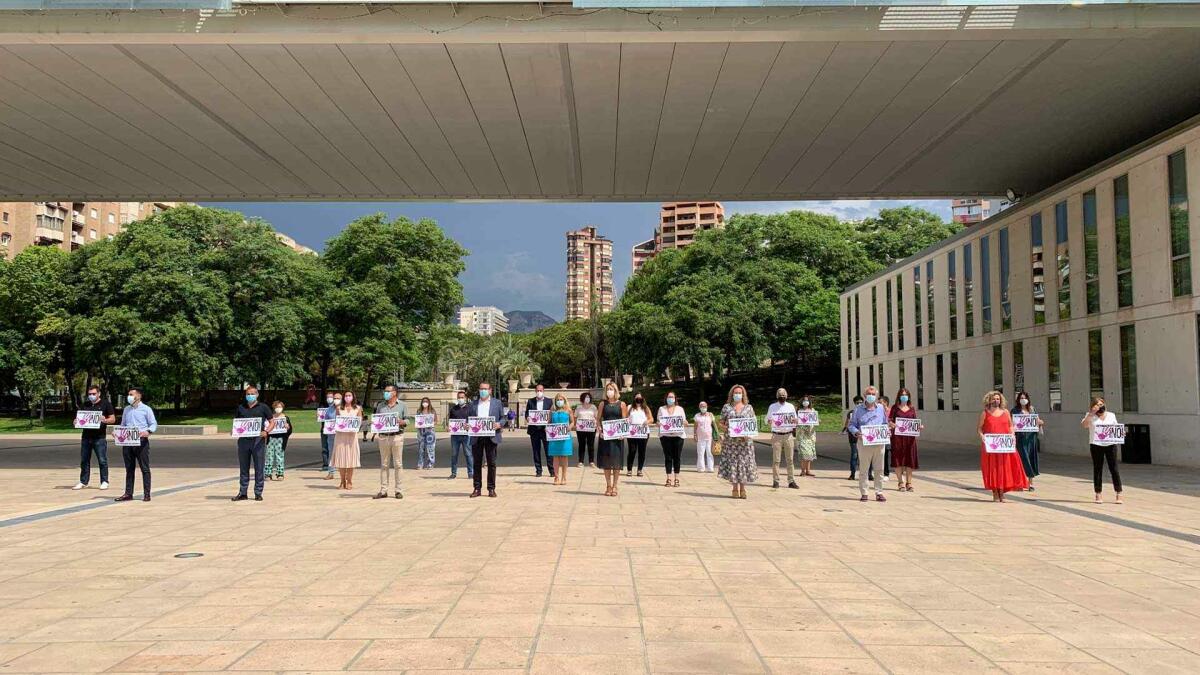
(611, 453)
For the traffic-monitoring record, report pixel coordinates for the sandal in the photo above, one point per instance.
(668, 483)
(676, 483)
(909, 488)
(640, 474)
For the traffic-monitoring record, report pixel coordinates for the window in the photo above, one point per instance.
(1055, 374)
(1005, 305)
(92, 214)
(874, 321)
(1124, 244)
(887, 298)
(871, 374)
(1181, 259)
(5, 238)
(846, 388)
(954, 380)
(997, 368)
(5, 218)
(857, 330)
(882, 386)
(941, 385)
(91, 234)
(1062, 260)
(917, 302)
(111, 219)
(903, 380)
(985, 282)
(899, 314)
(1018, 371)
(920, 383)
(858, 379)
(1096, 363)
(849, 331)
(929, 295)
(968, 292)
(1038, 265)
(951, 272)
(1091, 254)
(1129, 389)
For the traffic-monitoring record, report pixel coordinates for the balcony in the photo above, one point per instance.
(45, 234)
(76, 239)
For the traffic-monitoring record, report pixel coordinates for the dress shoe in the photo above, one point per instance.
(775, 484)
(239, 498)
(491, 493)
(380, 495)
(258, 498)
(146, 498)
(474, 493)
(399, 496)
(124, 498)
(793, 485)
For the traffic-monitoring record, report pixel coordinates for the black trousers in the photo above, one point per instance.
(673, 450)
(587, 442)
(137, 457)
(484, 446)
(86, 447)
(1100, 455)
(251, 449)
(537, 439)
(637, 446)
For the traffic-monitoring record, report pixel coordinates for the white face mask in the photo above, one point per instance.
(462, 401)
(278, 411)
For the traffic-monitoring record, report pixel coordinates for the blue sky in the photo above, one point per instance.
(518, 249)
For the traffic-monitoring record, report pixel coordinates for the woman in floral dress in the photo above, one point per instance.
(806, 440)
(738, 464)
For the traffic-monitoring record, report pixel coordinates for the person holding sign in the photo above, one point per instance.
(333, 401)
(783, 437)
(705, 423)
(279, 428)
(459, 410)
(140, 416)
(486, 446)
(252, 448)
(672, 445)
(738, 465)
(869, 425)
(1002, 471)
(611, 453)
(536, 428)
(560, 451)
(585, 429)
(1028, 441)
(639, 413)
(391, 443)
(806, 436)
(92, 438)
(426, 437)
(904, 446)
(346, 456)
(1102, 451)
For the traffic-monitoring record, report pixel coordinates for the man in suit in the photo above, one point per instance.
(486, 406)
(537, 432)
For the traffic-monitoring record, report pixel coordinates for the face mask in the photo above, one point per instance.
(804, 403)
(348, 398)
(870, 398)
(337, 401)
(93, 397)
(541, 395)
(703, 408)
(737, 398)
(251, 398)
(611, 394)
(279, 411)
(1023, 401)
(781, 399)
(560, 403)
(387, 395)
(328, 400)
(994, 404)
(904, 398)
(484, 393)
(637, 400)
(462, 401)
(587, 400)
(1100, 410)
(670, 400)
(129, 399)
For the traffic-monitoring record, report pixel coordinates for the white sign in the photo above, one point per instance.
(481, 426)
(743, 427)
(385, 423)
(1025, 423)
(1000, 443)
(329, 426)
(322, 414)
(1110, 434)
(347, 423)
(807, 418)
(638, 430)
(558, 432)
(874, 434)
(458, 427)
(672, 425)
(585, 425)
(424, 420)
(244, 427)
(782, 422)
(126, 436)
(612, 430)
(281, 426)
(88, 419)
(906, 426)
(538, 418)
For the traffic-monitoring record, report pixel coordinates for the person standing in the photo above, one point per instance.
(346, 455)
(851, 437)
(1002, 471)
(427, 437)
(141, 416)
(782, 442)
(333, 401)
(252, 448)
(639, 413)
(537, 432)
(904, 448)
(704, 439)
(887, 447)
(94, 440)
(587, 439)
(459, 410)
(277, 433)
(672, 446)
(486, 446)
(560, 451)
(610, 453)
(1099, 414)
(391, 443)
(869, 413)
(806, 439)
(1028, 442)
(738, 464)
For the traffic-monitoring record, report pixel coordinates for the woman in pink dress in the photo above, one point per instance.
(345, 457)
(1002, 471)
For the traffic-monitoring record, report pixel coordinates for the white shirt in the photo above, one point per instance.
(484, 408)
(664, 411)
(637, 416)
(1106, 418)
(778, 407)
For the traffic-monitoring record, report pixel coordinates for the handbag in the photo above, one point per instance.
(716, 449)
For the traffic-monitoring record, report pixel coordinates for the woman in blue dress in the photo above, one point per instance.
(561, 450)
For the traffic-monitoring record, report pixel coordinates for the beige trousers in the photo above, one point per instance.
(391, 448)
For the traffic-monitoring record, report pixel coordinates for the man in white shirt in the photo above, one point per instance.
(782, 442)
(481, 446)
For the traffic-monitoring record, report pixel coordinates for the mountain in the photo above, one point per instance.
(523, 321)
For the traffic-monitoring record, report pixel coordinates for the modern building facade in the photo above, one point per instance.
(1085, 289)
(482, 320)
(971, 211)
(678, 224)
(589, 273)
(67, 225)
(642, 252)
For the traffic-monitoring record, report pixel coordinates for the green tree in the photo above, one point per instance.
(898, 233)
(35, 324)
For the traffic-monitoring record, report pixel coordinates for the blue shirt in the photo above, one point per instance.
(140, 416)
(863, 417)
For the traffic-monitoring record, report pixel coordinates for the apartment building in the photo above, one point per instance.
(589, 273)
(971, 211)
(482, 320)
(678, 224)
(67, 225)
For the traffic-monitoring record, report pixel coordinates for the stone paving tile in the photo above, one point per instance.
(703, 657)
(301, 655)
(186, 656)
(74, 657)
(414, 654)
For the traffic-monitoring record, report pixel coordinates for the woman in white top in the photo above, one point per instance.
(672, 445)
(639, 413)
(704, 421)
(1099, 414)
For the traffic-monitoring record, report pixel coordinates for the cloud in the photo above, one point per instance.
(846, 209)
(516, 282)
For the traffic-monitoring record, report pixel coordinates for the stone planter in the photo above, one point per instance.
(526, 377)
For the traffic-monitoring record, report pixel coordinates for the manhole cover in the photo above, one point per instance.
(189, 555)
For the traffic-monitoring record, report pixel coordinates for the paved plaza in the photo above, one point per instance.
(565, 580)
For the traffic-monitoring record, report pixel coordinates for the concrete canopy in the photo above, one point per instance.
(523, 101)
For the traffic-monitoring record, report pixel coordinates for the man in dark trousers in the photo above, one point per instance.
(252, 447)
(537, 432)
(93, 440)
(485, 446)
